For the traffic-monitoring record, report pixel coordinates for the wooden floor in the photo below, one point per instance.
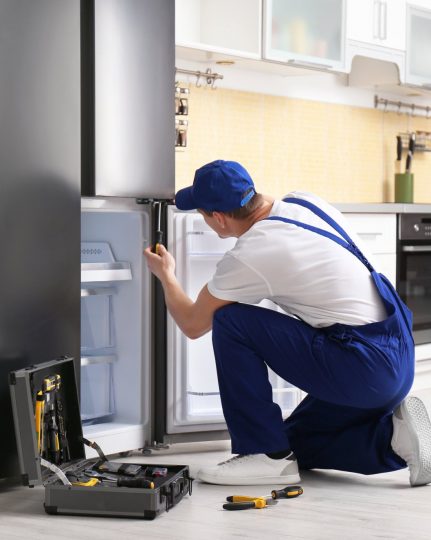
(334, 506)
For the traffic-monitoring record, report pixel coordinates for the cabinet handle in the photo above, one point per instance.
(376, 19)
(369, 234)
(383, 20)
(314, 65)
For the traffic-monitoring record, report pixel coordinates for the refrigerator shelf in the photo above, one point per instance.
(97, 291)
(191, 393)
(113, 271)
(102, 359)
(213, 256)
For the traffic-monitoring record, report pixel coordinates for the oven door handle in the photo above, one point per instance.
(415, 248)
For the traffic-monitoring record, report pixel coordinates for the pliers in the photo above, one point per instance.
(242, 502)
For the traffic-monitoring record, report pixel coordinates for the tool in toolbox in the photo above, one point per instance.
(243, 502)
(49, 420)
(127, 469)
(120, 481)
(156, 471)
(83, 481)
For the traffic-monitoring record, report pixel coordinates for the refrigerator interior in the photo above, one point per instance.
(193, 398)
(115, 324)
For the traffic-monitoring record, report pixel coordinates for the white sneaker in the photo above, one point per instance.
(252, 469)
(412, 438)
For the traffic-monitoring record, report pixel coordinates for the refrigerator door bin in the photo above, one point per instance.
(93, 272)
(98, 264)
(97, 330)
(97, 389)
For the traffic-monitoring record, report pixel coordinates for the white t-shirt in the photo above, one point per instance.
(309, 276)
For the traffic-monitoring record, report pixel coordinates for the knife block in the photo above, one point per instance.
(404, 187)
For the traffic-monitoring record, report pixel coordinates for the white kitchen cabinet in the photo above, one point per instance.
(422, 379)
(220, 26)
(377, 22)
(310, 32)
(377, 237)
(418, 45)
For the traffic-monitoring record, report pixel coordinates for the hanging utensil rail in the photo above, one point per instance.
(409, 108)
(208, 75)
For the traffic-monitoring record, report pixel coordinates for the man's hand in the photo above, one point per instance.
(194, 318)
(161, 264)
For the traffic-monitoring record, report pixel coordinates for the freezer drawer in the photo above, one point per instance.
(193, 398)
(134, 53)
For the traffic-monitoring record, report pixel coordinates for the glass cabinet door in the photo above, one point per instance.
(418, 64)
(306, 32)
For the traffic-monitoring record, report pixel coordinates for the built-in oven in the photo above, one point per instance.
(414, 271)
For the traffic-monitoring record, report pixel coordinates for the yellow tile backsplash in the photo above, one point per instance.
(342, 153)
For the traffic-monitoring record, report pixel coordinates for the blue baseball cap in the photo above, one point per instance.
(220, 186)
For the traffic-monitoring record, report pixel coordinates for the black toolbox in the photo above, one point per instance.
(48, 392)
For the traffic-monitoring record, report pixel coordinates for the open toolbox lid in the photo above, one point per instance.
(24, 387)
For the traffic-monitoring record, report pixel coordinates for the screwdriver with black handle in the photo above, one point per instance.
(124, 482)
(121, 481)
(288, 492)
(159, 232)
(135, 483)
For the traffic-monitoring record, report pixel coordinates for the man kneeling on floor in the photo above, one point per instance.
(344, 338)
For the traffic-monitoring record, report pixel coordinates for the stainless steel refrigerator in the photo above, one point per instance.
(142, 382)
(40, 172)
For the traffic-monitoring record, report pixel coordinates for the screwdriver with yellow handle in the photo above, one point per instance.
(38, 418)
(87, 483)
(289, 492)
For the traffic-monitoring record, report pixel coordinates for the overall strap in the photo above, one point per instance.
(347, 243)
(320, 213)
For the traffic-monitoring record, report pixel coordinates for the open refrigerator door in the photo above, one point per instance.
(116, 336)
(193, 397)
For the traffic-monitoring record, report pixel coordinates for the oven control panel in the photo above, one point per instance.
(414, 227)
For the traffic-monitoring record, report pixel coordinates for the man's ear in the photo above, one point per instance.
(220, 217)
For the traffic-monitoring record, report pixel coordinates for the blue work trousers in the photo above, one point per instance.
(353, 379)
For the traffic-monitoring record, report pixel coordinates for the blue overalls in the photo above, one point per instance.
(354, 377)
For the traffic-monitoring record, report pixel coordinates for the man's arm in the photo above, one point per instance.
(193, 318)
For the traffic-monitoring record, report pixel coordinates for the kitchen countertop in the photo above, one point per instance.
(383, 208)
